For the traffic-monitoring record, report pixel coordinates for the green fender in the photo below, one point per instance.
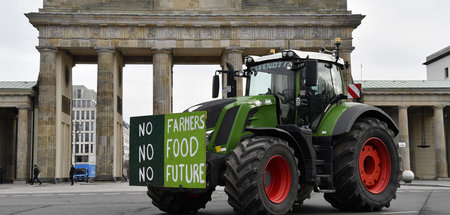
(340, 118)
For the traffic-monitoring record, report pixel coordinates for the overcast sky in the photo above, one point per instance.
(391, 44)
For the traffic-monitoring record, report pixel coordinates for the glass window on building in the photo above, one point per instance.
(86, 148)
(92, 114)
(77, 138)
(82, 158)
(86, 126)
(78, 103)
(92, 148)
(77, 148)
(83, 103)
(86, 138)
(92, 137)
(82, 114)
(87, 114)
(446, 72)
(78, 114)
(88, 103)
(79, 93)
(92, 126)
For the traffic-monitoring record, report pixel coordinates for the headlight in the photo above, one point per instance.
(249, 60)
(290, 54)
(208, 136)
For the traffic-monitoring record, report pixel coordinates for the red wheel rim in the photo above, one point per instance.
(375, 165)
(277, 179)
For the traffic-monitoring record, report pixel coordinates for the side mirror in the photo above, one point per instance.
(215, 86)
(311, 72)
(230, 67)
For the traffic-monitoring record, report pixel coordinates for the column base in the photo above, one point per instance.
(21, 181)
(104, 178)
(62, 180)
(443, 179)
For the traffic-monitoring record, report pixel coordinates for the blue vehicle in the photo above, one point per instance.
(84, 171)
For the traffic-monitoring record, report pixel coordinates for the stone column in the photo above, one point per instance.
(347, 73)
(439, 143)
(46, 137)
(23, 167)
(403, 135)
(162, 81)
(234, 56)
(105, 114)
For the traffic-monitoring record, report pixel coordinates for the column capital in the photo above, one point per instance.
(234, 50)
(47, 48)
(403, 107)
(101, 49)
(23, 107)
(438, 107)
(162, 50)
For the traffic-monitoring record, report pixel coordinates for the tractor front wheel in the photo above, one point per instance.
(262, 176)
(179, 202)
(366, 167)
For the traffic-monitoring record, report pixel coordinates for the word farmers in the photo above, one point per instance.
(185, 123)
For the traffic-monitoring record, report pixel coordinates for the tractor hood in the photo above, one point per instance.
(215, 108)
(212, 108)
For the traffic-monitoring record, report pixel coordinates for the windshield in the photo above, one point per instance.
(275, 78)
(80, 171)
(271, 78)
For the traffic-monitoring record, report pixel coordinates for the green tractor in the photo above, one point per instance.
(292, 134)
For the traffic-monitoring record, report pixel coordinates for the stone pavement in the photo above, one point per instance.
(80, 187)
(445, 182)
(83, 187)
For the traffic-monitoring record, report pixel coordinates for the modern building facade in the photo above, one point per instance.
(438, 65)
(84, 112)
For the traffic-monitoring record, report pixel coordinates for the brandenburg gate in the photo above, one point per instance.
(113, 33)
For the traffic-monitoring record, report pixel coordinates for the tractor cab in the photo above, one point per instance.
(304, 83)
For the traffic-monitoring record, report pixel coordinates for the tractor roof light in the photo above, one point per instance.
(249, 61)
(289, 54)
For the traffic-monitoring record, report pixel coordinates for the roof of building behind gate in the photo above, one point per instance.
(404, 84)
(17, 85)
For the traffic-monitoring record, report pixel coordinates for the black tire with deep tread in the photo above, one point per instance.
(351, 194)
(179, 202)
(244, 176)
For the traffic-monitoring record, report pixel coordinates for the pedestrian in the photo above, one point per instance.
(71, 173)
(1, 175)
(36, 172)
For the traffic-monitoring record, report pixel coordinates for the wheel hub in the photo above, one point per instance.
(277, 179)
(375, 165)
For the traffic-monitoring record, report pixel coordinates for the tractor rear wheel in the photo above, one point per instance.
(366, 167)
(262, 176)
(179, 202)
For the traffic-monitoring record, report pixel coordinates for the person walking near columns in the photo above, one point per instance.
(36, 174)
(71, 173)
